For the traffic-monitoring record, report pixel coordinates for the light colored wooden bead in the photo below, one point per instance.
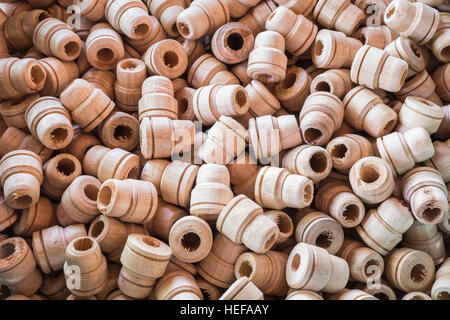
(294, 89)
(408, 51)
(59, 75)
(242, 289)
(19, 77)
(378, 37)
(35, 218)
(440, 77)
(335, 81)
(55, 38)
(441, 287)
(49, 245)
(130, 74)
(303, 295)
(7, 215)
(403, 150)
(409, 270)
(382, 230)
(80, 143)
(194, 49)
(441, 159)
(365, 110)
(151, 36)
(257, 16)
(164, 218)
(167, 12)
(267, 62)
(418, 112)
(440, 42)
(177, 285)
(321, 115)
(208, 70)
(101, 79)
(166, 58)
(13, 111)
(21, 177)
(93, 10)
(420, 86)
(416, 21)
(284, 223)
(318, 229)
(232, 43)
(424, 190)
(54, 286)
(381, 290)
(119, 130)
(185, 99)
(353, 294)
(157, 99)
(243, 173)
(313, 268)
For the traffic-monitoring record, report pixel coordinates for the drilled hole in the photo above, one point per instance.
(151, 242)
(128, 65)
(241, 98)
(443, 295)
(97, 228)
(350, 213)
(58, 135)
(445, 53)
(65, 166)
(37, 74)
(289, 81)
(122, 133)
(418, 273)
(318, 162)
(190, 241)
(369, 174)
(83, 244)
(105, 195)
(133, 173)
(170, 59)
(235, 41)
(245, 269)
(141, 30)
(183, 29)
(318, 48)
(43, 16)
(324, 240)
(174, 28)
(388, 127)
(7, 250)
(283, 223)
(418, 297)
(339, 151)
(105, 55)
(313, 135)
(415, 49)
(295, 262)
(91, 192)
(323, 86)
(23, 201)
(72, 48)
(431, 214)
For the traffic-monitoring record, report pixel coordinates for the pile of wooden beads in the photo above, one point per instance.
(224, 149)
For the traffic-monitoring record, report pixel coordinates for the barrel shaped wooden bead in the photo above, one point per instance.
(422, 86)
(13, 111)
(407, 50)
(376, 69)
(441, 159)
(418, 112)
(440, 42)
(313, 268)
(21, 177)
(409, 270)
(441, 287)
(335, 81)
(129, 200)
(378, 37)
(238, 8)
(7, 215)
(15, 139)
(55, 38)
(166, 58)
(416, 21)
(267, 62)
(111, 284)
(19, 77)
(130, 74)
(101, 79)
(382, 230)
(232, 43)
(59, 75)
(119, 130)
(351, 294)
(85, 269)
(365, 110)
(164, 218)
(425, 191)
(134, 48)
(37, 217)
(144, 259)
(322, 114)
(294, 89)
(157, 99)
(167, 12)
(49, 245)
(177, 285)
(242, 289)
(298, 31)
(440, 76)
(340, 15)
(242, 221)
(208, 70)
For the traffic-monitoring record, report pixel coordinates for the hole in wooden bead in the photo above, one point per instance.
(183, 29)
(318, 48)
(431, 214)
(132, 174)
(388, 127)
(65, 166)
(170, 59)
(240, 98)
(97, 228)
(190, 241)
(206, 294)
(443, 295)
(83, 244)
(128, 65)
(58, 135)
(43, 16)
(381, 296)
(318, 162)
(283, 223)
(350, 213)
(295, 262)
(371, 267)
(418, 273)
(7, 250)
(307, 194)
(445, 53)
(339, 151)
(289, 81)
(312, 135)
(369, 174)
(105, 55)
(235, 41)
(415, 49)
(141, 30)
(91, 192)
(104, 196)
(323, 86)
(183, 105)
(122, 133)
(37, 74)
(22, 201)
(151, 242)
(324, 240)
(245, 269)
(71, 48)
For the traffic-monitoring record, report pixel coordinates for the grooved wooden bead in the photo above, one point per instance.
(194, 49)
(243, 173)
(441, 159)
(185, 99)
(321, 115)
(382, 230)
(365, 110)
(335, 81)
(7, 215)
(420, 86)
(167, 12)
(257, 16)
(101, 79)
(37, 217)
(341, 15)
(55, 38)
(313, 268)
(440, 42)
(177, 285)
(119, 130)
(93, 10)
(157, 99)
(440, 78)
(130, 73)
(13, 111)
(378, 37)
(242, 289)
(416, 21)
(418, 112)
(294, 89)
(166, 58)
(318, 229)
(59, 75)
(80, 143)
(409, 270)
(208, 70)
(284, 223)
(232, 43)
(19, 77)
(54, 286)
(407, 50)
(21, 177)
(49, 245)
(85, 269)
(267, 62)
(303, 294)
(353, 294)
(441, 287)
(164, 218)
(151, 36)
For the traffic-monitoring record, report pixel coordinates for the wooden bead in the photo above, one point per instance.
(49, 245)
(313, 268)
(403, 150)
(418, 112)
(318, 229)
(167, 12)
(119, 130)
(185, 99)
(321, 115)
(342, 16)
(208, 70)
(243, 173)
(257, 16)
(130, 73)
(376, 69)
(425, 191)
(176, 264)
(104, 47)
(164, 218)
(421, 86)
(166, 58)
(129, 200)
(242, 289)
(284, 223)
(21, 177)
(13, 111)
(409, 270)
(294, 89)
(19, 77)
(59, 75)
(298, 6)
(37, 217)
(371, 179)
(381, 230)
(59, 172)
(440, 42)
(439, 77)
(101, 79)
(338, 200)
(267, 62)
(18, 267)
(157, 99)
(441, 161)
(7, 215)
(232, 43)
(151, 36)
(298, 31)
(354, 294)
(80, 143)
(85, 269)
(335, 81)
(378, 37)
(407, 50)
(441, 287)
(365, 110)
(54, 286)
(178, 285)
(79, 201)
(416, 21)
(194, 49)
(55, 38)
(93, 10)
(173, 180)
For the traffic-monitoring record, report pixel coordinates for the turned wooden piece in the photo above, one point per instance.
(440, 78)
(19, 77)
(382, 230)
(157, 99)
(424, 190)
(441, 287)
(441, 159)
(177, 285)
(40, 216)
(407, 50)
(232, 43)
(294, 89)
(119, 130)
(134, 48)
(80, 143)
(335, 81)
(49, 245)
(321, 115)
(79, 201)
(101, 79)
(267, 62)
(85, 269)
(303, 294)
(93, 10)
(378, 37)
(21, 177)
(59, 75)
(242, 289)
(59, 172)
(284, 223)
(243, 173)
(298, 31)
(54, 286)
(15, 139)
(7, 215)
(345, 150)
(166, 58)
(257, 16)
(353, 294)
(409, 270)
(208, 70)
(313, 268)
(105, 163)
(416, 21)
(13, 111)
(440, 42)
(164, 218)
(130, 74)
(418, 112)
(104, 47)
(318, 229)
(242, 221)
(185, 99)
(167, 12)
(365, 110)
(420, 86)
